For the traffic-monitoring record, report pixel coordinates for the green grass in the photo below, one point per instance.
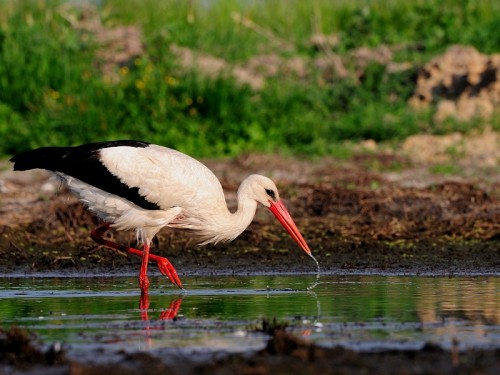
(52, 92)
(445, 169)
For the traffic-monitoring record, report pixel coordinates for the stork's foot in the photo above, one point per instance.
(164, 265)
(167, 269)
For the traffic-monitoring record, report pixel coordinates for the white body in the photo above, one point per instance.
(189, 195)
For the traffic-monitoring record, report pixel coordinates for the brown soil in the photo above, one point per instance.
(380, 211)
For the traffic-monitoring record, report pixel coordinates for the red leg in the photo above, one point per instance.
(164, 265)
(143, 275)
(144, 305)
(167, 314)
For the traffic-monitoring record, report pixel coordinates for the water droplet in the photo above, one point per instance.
(318, 273)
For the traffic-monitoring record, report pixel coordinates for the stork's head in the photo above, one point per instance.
(261, 189)
(264, 191)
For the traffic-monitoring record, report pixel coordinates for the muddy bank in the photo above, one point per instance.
(284, 353)
(375, 212)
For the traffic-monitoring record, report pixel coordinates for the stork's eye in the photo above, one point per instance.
(271, 194)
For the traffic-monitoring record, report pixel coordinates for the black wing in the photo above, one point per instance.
(84, 163)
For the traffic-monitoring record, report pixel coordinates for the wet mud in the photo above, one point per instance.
(356, 215)
(372, 213)
(284, 353)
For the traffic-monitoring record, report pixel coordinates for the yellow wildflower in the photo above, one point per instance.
(171, 81)
(54, 94)
(139, 83)
(124, 70)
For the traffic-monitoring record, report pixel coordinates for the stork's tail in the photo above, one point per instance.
(67, 159)
(43, 158)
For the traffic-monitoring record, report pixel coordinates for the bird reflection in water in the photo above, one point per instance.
(168, 314)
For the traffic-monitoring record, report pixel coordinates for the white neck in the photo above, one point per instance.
(245, 213)
(226, 226)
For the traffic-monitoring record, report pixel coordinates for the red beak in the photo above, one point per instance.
(279, 210)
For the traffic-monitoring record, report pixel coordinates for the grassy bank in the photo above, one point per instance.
(53, 90)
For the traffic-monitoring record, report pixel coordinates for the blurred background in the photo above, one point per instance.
(224, 77)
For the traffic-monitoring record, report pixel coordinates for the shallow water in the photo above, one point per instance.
(360, 312)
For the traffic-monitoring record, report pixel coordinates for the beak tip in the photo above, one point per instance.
(281, 213)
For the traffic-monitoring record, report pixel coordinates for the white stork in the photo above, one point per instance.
(134, 185)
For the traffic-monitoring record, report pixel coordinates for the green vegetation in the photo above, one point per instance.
(53, 90)
(445, 169)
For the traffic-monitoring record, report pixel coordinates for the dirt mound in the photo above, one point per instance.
(254, 72)
(118, 46)
(19, 348)
(476, 150)
(462, 83)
